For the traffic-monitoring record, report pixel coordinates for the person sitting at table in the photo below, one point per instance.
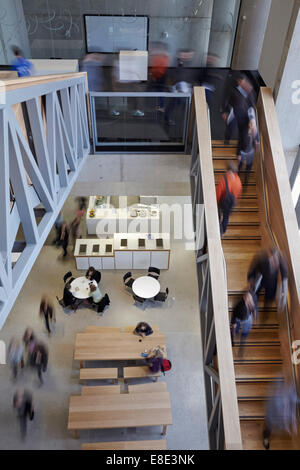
(93, 275)
(155, 360)
(95, 293)
(68, 298)
(143, 329)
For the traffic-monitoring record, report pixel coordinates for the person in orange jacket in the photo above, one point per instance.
(229, 189)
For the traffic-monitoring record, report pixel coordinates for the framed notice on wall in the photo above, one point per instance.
(105, 33)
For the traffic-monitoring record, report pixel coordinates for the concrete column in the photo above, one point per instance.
(13, 31)
(287, 90)
(252, 25)
(223, 26)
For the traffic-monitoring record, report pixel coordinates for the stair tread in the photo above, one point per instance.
(258, 372)
(254, 390)
(261, 335)
(257, 353)
(252, 409)
(252, 432)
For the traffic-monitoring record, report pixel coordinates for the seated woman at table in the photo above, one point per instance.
(143, 329)
(93, 275)
(155, 360)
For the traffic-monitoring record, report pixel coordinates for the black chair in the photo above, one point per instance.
(127, 277)
(162, 296)
(154, 272)
(104, 302)
(138, 299)
(67, 275)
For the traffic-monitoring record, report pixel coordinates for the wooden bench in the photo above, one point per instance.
(101, 390)
(140, 372)
(102, 329)
(148, 388)
(126, 445)
(130, 329)
(105, 373)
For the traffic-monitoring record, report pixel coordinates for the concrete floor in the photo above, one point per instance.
(179, 320)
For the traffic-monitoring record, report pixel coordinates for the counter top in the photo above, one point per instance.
(133, 241)
(132, 244)
(90, 244)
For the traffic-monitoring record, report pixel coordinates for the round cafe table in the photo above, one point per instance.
(146, 287)
(80, 287)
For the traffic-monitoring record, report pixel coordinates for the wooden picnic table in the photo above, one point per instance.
(114, 346)
(120, 411)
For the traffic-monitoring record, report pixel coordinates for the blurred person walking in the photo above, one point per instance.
(281, 412)
(29, 340)
(23, 66)
(242, 318)
(47, 313)
(23, 403)
(263, 274)
(248, 145)
(64, 238)
(92, 65)
(159, 61)
(15, 356)
(240, 107)
(39, 359)
(57, 225)
(229, 189)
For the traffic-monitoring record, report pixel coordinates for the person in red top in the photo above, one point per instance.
(227, 196)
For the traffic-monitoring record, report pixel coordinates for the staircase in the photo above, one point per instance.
(260, 367)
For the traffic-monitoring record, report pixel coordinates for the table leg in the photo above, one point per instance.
(164, 431)
(81, 364)
(75, 433)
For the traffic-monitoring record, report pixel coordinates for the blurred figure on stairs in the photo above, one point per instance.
(281, 412)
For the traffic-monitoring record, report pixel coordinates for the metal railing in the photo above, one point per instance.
(44, 143)
(221, 398)
(140, 121)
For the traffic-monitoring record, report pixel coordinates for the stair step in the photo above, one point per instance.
(258, 372)
(252, 409)
(261, 336)
(220, 143)
(234, 297)
(265, 320)
(252, 432)
(244, 218)
(220, 173)
(253, 391)
(257, 354)
(229, 153)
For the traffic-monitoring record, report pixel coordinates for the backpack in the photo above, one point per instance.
(229, 200)
(166, 365)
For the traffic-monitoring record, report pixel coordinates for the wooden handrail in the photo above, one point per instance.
(281, 213)
(24, 82)
(232, 431)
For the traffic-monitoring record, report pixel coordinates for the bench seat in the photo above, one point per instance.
(126, 445)
(105, 373)
(155, 387)
(101, 390)
(139, 373)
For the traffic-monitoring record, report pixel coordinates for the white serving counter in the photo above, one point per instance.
(127, 252)
(140, 217)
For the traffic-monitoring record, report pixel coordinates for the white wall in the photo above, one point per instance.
(252, 25)
(279, 19)
(288, 108)
(13, 31)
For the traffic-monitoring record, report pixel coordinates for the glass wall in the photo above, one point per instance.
(56, 28)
